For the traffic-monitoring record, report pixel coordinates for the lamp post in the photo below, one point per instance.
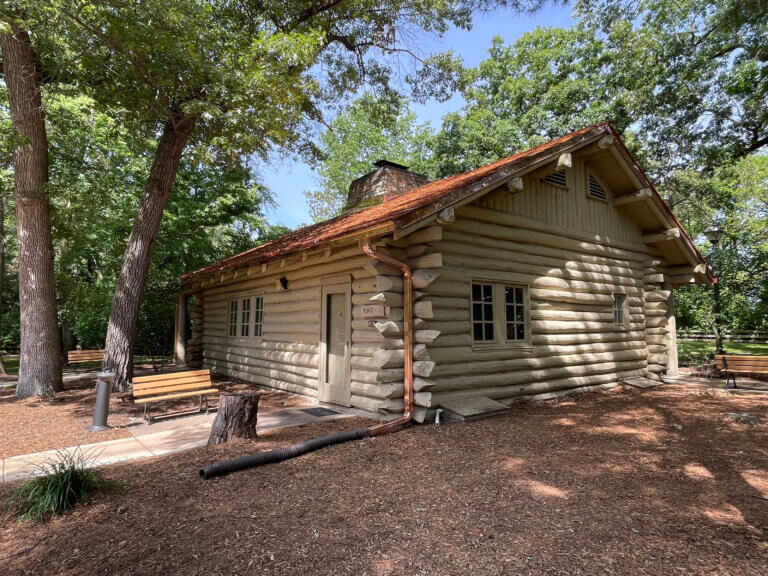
(714, 233)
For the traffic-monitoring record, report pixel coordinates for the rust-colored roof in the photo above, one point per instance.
(393, 209)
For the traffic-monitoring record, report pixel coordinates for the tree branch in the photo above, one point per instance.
(314, 10)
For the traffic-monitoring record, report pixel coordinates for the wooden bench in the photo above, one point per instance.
(159, 387)
(732, 364)
(74, 356)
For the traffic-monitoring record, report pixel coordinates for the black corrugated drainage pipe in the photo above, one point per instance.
(227, 466)
(221, 468)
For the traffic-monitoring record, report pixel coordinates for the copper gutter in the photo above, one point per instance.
(407, 337)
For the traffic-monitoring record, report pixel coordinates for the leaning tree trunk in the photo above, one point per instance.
(39, 360)
(236, 418)
(123, 319)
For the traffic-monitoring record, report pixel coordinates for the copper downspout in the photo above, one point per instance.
(407, 337)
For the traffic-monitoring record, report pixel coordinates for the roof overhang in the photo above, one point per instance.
(666, 227)
(422, 206)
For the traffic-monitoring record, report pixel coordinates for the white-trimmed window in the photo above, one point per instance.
(246, 316)
(258, 315)
(620, 309)
(514, 309)
(232, 330)
(499, 314)
(482, 313)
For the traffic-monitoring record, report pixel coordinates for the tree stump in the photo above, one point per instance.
(236, 418)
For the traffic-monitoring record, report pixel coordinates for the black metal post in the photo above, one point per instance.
(101, 409)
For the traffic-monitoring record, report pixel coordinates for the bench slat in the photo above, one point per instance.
(734, 364)
(178, 388)
(741, 356)
(84, 355)
(177, 395)
(169, 382)
(742, 363)
(170, 376)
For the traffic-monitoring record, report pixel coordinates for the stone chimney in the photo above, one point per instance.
(386, 181)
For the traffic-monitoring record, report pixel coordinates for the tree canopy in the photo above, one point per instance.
(685, 82)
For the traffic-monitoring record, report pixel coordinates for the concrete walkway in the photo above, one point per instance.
(162, 437)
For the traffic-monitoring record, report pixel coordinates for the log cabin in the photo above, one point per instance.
(542, 274)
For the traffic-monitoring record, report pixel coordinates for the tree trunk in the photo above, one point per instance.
(39, 359)
(123, 319)
(3, 371)
(236, 418)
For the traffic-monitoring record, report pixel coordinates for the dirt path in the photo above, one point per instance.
(622, 482)
(36, 424)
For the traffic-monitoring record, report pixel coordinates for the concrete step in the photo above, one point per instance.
(464, 409)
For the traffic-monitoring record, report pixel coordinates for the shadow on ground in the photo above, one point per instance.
(620, 482)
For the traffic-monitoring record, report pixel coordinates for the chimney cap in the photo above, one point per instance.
(382, 163)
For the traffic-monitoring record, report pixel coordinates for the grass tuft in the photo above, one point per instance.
(62, 483)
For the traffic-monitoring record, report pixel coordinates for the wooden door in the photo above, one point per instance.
(334, 383)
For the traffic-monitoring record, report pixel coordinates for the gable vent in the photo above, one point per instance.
(556, 178)
(595, 189)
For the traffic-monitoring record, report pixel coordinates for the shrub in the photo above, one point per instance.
(64, 481)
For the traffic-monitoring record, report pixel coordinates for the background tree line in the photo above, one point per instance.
(684, 81)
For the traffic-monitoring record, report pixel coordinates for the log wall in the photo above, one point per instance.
(286, 356)
(573, 253)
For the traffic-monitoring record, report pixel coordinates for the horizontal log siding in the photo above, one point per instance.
(286, 357)
(571, 274)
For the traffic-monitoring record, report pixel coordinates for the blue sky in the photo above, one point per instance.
(289, 179)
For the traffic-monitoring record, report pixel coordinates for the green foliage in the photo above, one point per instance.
(704, 69)
(370, 129)
(97, 174)
(549, 82)
(64, 481)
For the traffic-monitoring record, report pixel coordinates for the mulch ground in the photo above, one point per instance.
(35, 424)
(621, 482)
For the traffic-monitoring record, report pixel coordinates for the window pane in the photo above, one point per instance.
(515, 313)
(487, 312)
(488, 331)
(487, 293)
(476, 292)
(477, 311)
(477, 331)
(233, 318)
(618, 309)
(258, 315)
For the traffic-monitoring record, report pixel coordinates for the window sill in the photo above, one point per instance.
(479, 346)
